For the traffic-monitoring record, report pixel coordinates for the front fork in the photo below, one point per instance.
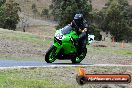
(58, 46)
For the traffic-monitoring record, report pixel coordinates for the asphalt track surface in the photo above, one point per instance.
(29, 64)
(13, 63)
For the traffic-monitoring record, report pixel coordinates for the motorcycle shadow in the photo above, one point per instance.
(78, 64)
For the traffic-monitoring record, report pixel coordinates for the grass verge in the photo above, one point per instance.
(20, 36)
(29, 78)
(109, 50)
(62, 77)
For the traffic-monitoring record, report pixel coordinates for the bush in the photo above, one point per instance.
(2, 2)
(45, 12)
(9, 15)
(64, 10)
(95, 31)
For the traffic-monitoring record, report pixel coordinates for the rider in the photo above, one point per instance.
(80, 25)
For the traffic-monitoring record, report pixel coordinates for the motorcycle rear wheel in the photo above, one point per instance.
(79, 58)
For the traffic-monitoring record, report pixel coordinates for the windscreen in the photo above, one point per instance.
(66, 30)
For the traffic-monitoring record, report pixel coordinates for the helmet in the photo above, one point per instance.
(78, 18)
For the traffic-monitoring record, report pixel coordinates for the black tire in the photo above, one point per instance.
(51, 51)
(80, 57)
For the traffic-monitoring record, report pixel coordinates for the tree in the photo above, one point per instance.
(24, 23)
(1, 12)
(34, 9)
(2, 2)
(129, 10)
(98, 17)
(116, 18)
(129, 32)
(1, 16)
(10, 16)
(45, 13)
(64, 10)
(94, 30)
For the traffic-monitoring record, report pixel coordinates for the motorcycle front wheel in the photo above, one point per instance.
(50, 55)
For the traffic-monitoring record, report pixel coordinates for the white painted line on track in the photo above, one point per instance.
(61, 65)
(119, 65)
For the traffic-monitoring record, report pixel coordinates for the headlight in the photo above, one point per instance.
(57, 40)
(59, 36)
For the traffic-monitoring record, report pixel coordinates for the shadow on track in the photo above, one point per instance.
(70, 64)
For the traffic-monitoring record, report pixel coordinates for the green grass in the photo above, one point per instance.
(20, 36)
(15, 82)
(24, 38)
(29, 78)
(111, 50)
(62, 77)
(124, 52)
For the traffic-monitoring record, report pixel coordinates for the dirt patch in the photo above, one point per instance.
(20, 49)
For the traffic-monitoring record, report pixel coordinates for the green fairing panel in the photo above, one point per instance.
(66, 42)
(69, 47)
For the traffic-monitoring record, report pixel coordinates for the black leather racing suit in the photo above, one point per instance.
(83, 36)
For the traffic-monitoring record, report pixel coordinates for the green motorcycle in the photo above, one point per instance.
(65, 47)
